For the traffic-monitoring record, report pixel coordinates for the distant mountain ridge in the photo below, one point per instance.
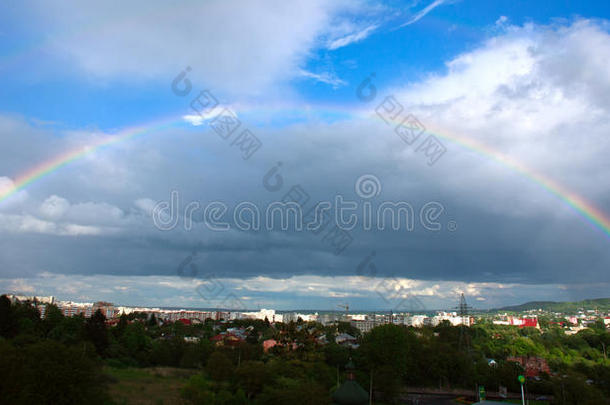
(599, 303)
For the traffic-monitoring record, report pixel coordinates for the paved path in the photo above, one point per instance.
(429, 400)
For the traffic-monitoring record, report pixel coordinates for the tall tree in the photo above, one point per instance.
(97, 332)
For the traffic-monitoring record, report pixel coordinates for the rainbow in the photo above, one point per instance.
(584, 208)
(56, 163)
(577, 203)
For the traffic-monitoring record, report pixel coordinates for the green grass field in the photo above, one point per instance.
(139, 386)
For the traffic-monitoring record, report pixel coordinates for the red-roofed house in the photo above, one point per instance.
(533, 365)
(529, 322)
(227, 339)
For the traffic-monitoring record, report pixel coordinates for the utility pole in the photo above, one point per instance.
(463, 311)
(337, 376)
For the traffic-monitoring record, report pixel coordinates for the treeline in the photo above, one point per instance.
(396, 357)
(446, 356)
(61, 360)
(49, 361)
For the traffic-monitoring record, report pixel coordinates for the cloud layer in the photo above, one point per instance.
(91, 220)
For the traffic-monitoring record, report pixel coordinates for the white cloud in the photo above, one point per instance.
(30, 224)
(6, 185)
(8, 197)
(20, 286)
(243, 47)
(502, 20)
(351, 38)
(325, 292)
(95, 213)
(57, 216)
(197, 120)
(146, 205)
(54, 207)
(517, 95)
(422, 13)
(325, 77)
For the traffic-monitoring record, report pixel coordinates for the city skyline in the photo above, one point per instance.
(409, 305)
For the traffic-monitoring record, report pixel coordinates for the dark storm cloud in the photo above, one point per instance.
(93, 217)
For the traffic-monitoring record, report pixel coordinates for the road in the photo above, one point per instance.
(420, 399)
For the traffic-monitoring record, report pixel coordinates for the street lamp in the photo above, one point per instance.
(521, 379)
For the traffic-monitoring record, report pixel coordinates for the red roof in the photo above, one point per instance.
(531, 322)
(185, 321)
(228, 338)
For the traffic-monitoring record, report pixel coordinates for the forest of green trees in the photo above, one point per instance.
(61, 360)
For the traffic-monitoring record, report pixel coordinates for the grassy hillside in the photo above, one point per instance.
(567, 306)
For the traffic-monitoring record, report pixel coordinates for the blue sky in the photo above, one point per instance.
(39, 83)
(527, 79)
